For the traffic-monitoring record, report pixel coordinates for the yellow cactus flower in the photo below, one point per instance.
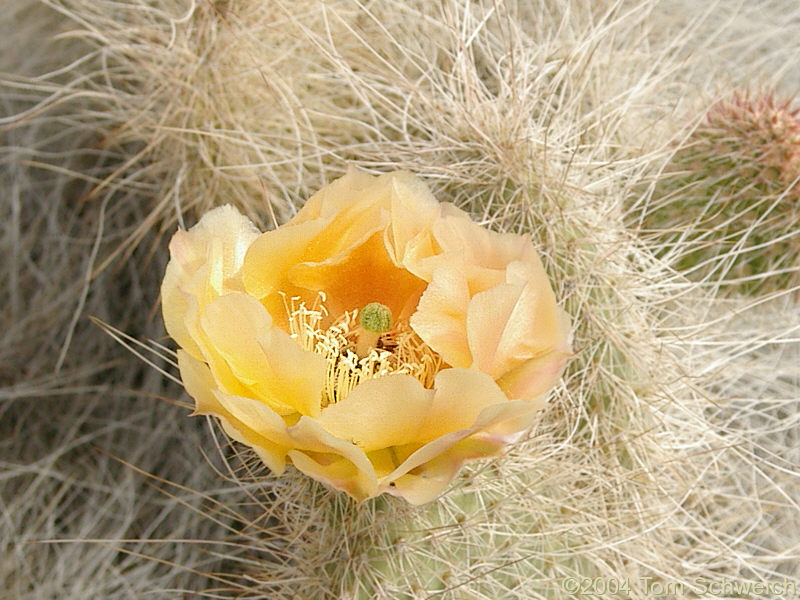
(376, 341)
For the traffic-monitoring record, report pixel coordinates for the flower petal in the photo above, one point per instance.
(332, 460)
(272, 254)
(345, 242)
(440, 319)
(535, 377)
(496, 426)
(367, 274)
(204, 262)
(378, 413)
(337, 196)
(474, 269)
(335, 471)
(512, 321)
(413, 209)
(258, 417)
(438, 472)
(456, 232)
(263, 358)
(273, 455)
(200, 385)
(460, 397)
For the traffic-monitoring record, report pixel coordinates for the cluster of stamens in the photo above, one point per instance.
(396, 350)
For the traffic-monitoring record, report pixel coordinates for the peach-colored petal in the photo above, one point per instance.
(413, 209)
(460, 397)
(335, 471)
(272, 254)
(345, 242)
(200, 385)
(225, 226)
(384, 461)
(263, 358)
(421, 489)
(176, 304)
(338, 195)
(379, 413)
(440, 319)
(367, 274)
(331, 459)
(512, 322)
(204, 262)
(456, 232)
(432, 479)
(260, 418)
(488, 303)
(535, 377)
(484, 254)
(346, 231)
(500, 424)
(425, 474)
(271, 454)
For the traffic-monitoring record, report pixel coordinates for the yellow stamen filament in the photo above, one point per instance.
(397, 350)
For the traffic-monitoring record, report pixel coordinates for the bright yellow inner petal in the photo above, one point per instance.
(398, 350)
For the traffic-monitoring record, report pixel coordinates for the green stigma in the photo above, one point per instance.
(375, 317)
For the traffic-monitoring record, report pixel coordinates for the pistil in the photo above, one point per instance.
(373, 320)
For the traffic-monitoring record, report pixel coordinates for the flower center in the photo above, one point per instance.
(393, 348)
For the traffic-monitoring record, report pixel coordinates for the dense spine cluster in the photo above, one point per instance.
(729, 204)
